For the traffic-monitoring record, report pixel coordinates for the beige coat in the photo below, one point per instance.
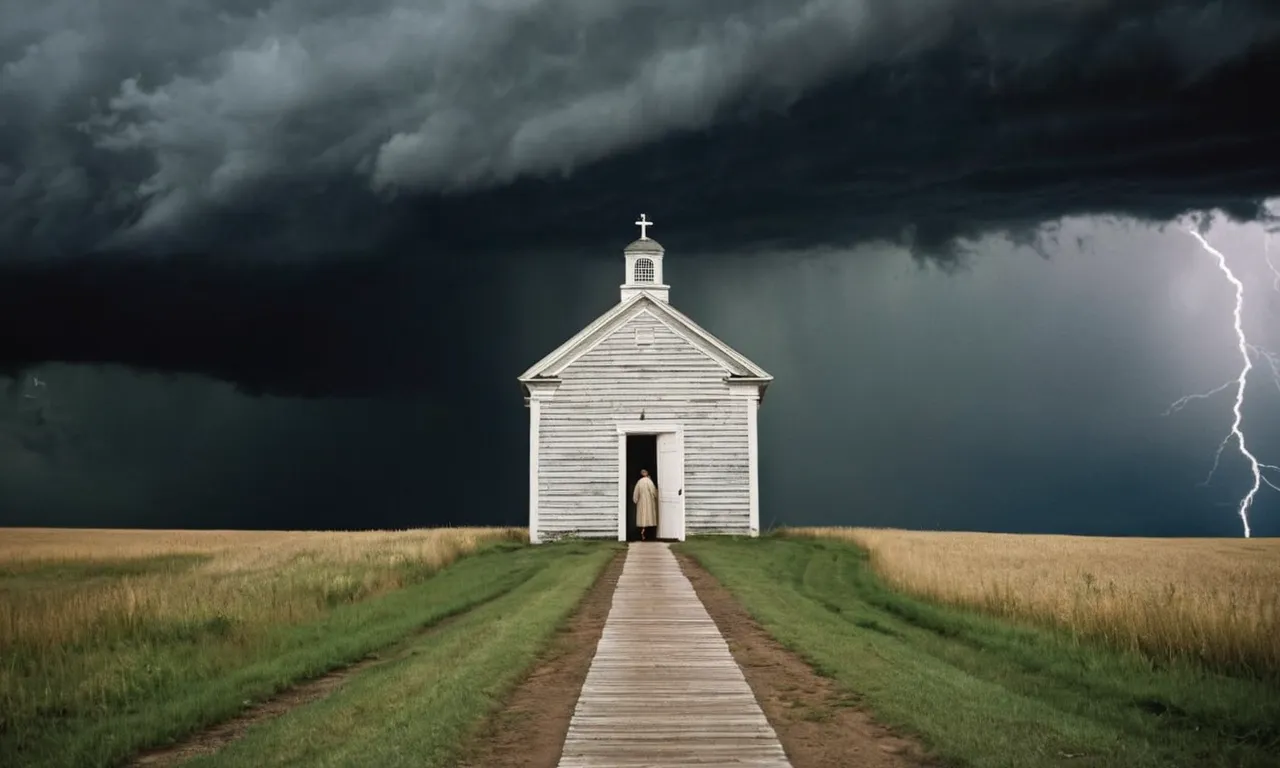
(645, 497)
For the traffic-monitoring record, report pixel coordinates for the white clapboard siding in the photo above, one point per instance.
(663, 688)
(670, 380)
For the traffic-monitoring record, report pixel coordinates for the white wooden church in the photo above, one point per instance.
(643, 387)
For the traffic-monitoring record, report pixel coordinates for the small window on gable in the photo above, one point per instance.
(644, 270)
(644, 337)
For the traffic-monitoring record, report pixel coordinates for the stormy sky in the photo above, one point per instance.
(278, 264)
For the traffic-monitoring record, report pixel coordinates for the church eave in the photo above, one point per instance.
(762, 382)
(528, 384)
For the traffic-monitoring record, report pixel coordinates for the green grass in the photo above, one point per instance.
(183, 680)
(981, 692)
(420, 709)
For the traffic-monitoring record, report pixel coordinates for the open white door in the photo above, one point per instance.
(671, 486)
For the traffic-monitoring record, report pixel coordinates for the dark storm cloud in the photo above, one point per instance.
(286, 128)
(259, 190)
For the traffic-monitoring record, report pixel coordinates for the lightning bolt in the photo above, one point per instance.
(1248, 352)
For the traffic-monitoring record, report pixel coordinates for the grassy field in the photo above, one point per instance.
(1215, 601)
(111, 641)
(983, 691)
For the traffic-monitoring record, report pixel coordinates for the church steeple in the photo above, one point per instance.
(644, 266)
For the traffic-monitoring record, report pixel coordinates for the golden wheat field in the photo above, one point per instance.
(62, 587)
(1217, 600)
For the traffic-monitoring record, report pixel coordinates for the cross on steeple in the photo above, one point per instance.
(644, 265)
(642, 223)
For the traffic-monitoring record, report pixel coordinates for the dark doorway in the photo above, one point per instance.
(642, 453)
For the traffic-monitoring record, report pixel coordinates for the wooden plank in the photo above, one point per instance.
(663, 688)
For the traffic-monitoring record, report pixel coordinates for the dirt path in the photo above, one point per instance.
(216, 737)
(819, 727)
(529, 731)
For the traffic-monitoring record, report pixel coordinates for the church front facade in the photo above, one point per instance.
(643, 387)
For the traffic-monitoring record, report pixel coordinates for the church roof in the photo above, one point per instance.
(735, 364)
(644, 245)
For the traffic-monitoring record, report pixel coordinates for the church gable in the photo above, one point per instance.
(660, 318)
(643, 344)
(641, 335)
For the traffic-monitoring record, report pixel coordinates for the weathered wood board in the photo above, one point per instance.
(663, 689)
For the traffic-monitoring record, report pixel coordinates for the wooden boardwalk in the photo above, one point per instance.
(663, 689)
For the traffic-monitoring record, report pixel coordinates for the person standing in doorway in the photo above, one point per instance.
(645, 497)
